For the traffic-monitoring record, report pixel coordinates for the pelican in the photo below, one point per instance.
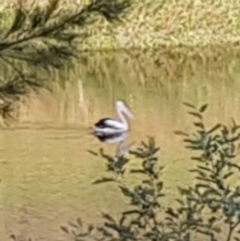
(108, 126)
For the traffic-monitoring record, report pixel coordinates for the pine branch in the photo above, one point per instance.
(40, 26)
(47, 38)
(38, 34)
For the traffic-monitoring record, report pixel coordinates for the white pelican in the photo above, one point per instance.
(108, 126)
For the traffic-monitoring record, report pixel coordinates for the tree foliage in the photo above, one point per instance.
(47, 38)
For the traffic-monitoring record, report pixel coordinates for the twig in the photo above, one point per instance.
(231, 229)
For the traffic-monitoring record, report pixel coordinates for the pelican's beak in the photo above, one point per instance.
(128, 113)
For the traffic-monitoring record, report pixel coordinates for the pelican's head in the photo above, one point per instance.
(122, 107)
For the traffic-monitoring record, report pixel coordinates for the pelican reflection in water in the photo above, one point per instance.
(115, 131)
(120, 138)
(108, 126)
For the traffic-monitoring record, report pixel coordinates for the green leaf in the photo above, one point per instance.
(161, 195)
(108, 217)
(160, 186)
(130, 212)
(212, 220)
(204, 168)
(92, 152)
(172, 213)
(181, 133)
(144, 144)
(104, 231)
(126, 191)
(147, 182)
(214, 128)
(189, 105)
(234, 165)
(196, 114)
(192, 141)
(79, 222)
(137, 154)
(211, 191)
(235, 138)
(228, 175)
(154, 151)
(138, 171)
(104, 179)
(90, 228)
(202, 174)
(12, 236)
(73, 225)
(64, 229)
(181, 202)
(203, 108)
(235, 128)
(123, 218)
(197, 159)
(199, 124)
(205, 179)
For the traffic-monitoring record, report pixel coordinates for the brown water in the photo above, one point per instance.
(45, 168)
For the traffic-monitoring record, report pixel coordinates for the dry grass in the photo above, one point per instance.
(168, 23)
(172, 23)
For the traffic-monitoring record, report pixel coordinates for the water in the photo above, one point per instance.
(45, 169)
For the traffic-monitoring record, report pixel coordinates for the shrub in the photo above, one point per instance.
(208, 208)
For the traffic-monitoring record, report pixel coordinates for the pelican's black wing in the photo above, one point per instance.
(108, 123)
(102, 123)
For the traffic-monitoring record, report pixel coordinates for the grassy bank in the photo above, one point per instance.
(173, 23)
(168, 23)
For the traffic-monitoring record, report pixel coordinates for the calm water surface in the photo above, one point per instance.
(45, 168)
